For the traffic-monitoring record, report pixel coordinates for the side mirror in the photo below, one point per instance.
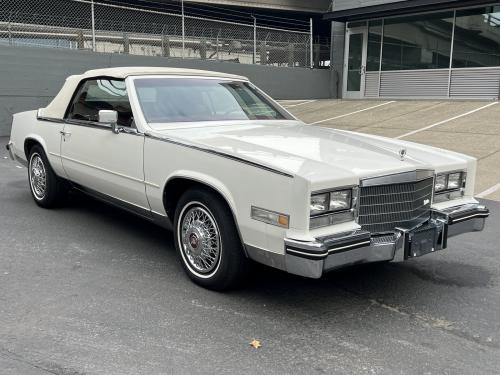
(40, 112)
(111, 118)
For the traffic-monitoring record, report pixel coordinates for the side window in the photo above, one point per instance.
(97, 94)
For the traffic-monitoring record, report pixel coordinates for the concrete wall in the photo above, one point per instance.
(30, 77)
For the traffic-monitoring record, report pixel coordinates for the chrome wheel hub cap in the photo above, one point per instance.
(200, 239)
(38, 176)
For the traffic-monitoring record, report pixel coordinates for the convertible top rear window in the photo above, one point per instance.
(165, 100)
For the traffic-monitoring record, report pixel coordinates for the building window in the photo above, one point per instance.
(374, 40)
(417, 42)
(477, 38)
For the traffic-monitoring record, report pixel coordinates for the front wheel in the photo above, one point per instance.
(207, 241)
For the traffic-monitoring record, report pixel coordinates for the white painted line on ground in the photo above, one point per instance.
(351, 113)
(489, 191)
(296, 105)
(18, 166)
(447, 120)
(290, 102)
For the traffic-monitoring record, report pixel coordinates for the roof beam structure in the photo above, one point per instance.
(309, 6)
(398, 8)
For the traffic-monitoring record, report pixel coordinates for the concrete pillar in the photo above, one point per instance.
(317, 55)
(165, 47)
(263, 53)
(203, 49)
(291, 54)
(337, 56)
(80, 41)
(126, 44)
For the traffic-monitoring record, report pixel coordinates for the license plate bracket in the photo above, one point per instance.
(422, 241)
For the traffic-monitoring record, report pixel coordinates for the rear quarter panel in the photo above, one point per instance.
(25, 126)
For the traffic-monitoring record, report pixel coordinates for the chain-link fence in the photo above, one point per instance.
(120, 27)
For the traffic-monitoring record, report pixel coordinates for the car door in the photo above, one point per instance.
(95, 158)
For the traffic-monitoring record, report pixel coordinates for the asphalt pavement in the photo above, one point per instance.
(89, 289)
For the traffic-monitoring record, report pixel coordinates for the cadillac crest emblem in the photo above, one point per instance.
(402, 154)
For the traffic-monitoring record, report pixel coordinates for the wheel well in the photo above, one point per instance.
(28, 145)
(178, 186)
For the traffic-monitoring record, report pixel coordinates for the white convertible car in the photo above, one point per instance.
(237, 177)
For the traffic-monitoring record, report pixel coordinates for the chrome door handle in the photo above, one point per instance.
(65, 134)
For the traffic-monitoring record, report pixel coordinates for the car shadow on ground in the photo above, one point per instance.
(370, 279)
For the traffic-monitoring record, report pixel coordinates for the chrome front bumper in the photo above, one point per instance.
(312, 259)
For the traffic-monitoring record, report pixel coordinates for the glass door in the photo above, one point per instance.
(355, 63)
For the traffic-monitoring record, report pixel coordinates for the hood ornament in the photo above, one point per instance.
(402, 154)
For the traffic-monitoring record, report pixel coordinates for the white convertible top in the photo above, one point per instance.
(124, 72)
(58, 105)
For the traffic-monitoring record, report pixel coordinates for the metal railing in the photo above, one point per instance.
(114, 26)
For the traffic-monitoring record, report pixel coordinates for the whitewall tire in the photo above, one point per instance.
(207, 241)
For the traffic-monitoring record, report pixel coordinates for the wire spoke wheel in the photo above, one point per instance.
(200, 239)
(38, 176)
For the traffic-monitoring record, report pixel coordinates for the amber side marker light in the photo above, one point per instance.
(270, 217)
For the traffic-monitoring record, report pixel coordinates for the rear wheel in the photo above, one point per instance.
(207, 241)
(47, 189)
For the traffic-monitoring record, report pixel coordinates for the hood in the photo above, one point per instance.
(315, 153)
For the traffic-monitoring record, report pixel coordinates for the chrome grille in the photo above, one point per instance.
(381, 208)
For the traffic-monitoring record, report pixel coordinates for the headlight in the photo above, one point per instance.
(340, 200)
(446, 182)
(332, 207)
(320, 203)
(455, 181)
(333, 201)
(441, 183)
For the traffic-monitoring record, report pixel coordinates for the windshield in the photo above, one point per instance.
(196, 99)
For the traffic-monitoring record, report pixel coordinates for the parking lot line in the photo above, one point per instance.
(489, 191)
(351, 113)
(447, 120)
(296, 105)
(291, 101)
